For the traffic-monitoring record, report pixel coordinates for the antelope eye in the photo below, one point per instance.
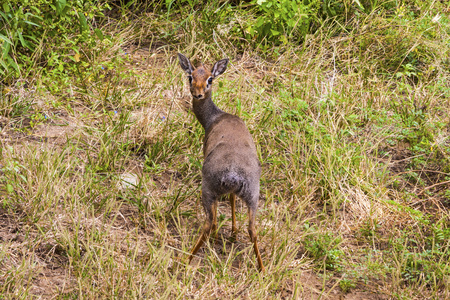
(190, 79)
(210, 80)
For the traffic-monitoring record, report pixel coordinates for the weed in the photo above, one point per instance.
(100, 154)
(347, 284)
(324, 249)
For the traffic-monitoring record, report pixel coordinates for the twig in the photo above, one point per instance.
(431, 171)
(432, 186)
(411, 157)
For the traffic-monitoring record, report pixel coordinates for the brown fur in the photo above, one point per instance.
(231, 163)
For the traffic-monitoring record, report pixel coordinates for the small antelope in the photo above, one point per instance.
(231, 164)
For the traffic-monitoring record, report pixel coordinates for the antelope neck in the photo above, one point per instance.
(206, 111)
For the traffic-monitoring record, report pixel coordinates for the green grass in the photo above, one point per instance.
(351, 127)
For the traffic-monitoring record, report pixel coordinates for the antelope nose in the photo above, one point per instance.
(198, 96)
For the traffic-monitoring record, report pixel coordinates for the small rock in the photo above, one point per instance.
(128, 180)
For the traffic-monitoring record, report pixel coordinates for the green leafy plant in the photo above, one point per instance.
(347, 284)
(324, 249)
(39, 33)
(282, 20)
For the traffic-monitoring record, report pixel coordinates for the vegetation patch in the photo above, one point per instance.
(100, 154)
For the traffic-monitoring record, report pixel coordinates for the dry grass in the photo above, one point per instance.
(100, 198)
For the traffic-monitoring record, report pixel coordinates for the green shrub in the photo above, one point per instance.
(40, 33)
(282, 20)
(324, 249)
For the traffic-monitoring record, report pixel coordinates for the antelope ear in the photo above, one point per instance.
(219, 67)
(185, 64)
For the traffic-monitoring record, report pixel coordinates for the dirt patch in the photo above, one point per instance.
(428, 179)
(57, 131)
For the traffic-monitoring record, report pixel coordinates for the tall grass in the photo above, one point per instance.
(100, 179)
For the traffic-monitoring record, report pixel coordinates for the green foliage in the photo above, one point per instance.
(350, 125)
(425, 267)
(422, 257)
(283, 20)
(324, 249)
(346, 284)
(45, 33)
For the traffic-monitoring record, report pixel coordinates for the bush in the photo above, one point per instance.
(282, 20)
(42, 32)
